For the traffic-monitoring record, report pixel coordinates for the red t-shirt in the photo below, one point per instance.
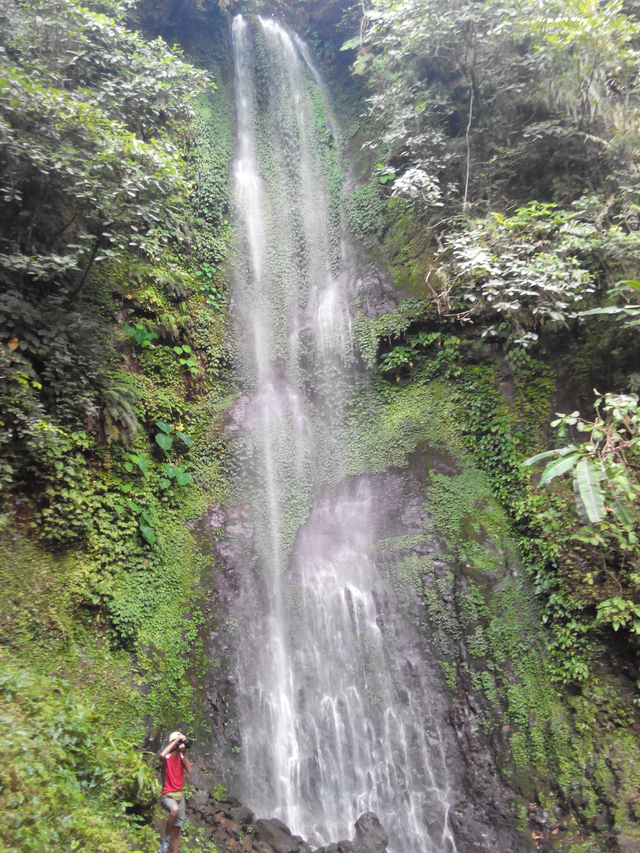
(173, 772)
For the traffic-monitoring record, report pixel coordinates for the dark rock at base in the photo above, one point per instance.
(628, 844)
(242, 815)
(345, 847)
(269, 832)
(371, 836)
(304, 847)
(282, 826)
(261, 847)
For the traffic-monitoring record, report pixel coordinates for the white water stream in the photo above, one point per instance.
(336, 715)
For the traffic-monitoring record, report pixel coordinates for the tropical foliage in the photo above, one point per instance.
(90, 175)
(68, 785)
(506, 156)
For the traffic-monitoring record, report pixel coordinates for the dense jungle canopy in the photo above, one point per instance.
(491, 165)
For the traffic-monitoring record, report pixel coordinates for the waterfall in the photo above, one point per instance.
(337, 713)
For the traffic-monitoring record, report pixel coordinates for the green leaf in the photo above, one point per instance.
(164, 427)
(165, 441)
(612, 309)
(351, 44)
(142, 464)
(164, 483)
(544, 455)
(182, 478)
(185, 438)
(148, 533)
(559, 466)
(622, 509)
(590, 491)
(128, 467)
(634, 284)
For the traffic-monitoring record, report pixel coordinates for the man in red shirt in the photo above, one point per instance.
(174, 762)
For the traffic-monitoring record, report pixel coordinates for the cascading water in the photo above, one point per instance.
(337, 713)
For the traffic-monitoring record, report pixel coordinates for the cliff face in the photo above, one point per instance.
(446, 558)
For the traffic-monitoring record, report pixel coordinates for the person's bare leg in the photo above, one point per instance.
(168, 830)
(175, 839)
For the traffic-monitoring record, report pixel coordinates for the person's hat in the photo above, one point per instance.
(174, 735)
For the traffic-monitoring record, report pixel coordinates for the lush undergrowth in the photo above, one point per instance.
(112, 387)
(72, 783)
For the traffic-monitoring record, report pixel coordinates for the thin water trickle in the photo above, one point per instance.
(336, 716)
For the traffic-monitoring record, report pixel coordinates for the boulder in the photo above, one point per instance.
(304, 847)
(199, 800)
(282, 826)
(269, 832)
(628, 844)
(242, 815)
(203, 781)
(371, 836)
(345, 847)
(230, 827)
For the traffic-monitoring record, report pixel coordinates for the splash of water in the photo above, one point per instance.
(336, 716)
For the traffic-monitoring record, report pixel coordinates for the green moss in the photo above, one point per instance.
(483, 617)
(365, 208)
(72, 782)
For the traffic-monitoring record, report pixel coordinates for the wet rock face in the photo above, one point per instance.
(234, 829)
(276, 835)
(371, 836)
(479, 817)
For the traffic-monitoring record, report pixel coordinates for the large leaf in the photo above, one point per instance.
(612, 309)
(165, 441)
(622, 509)
(185, 438)
(539, 456)
(589, 487)
(559, 466)
(148, 533)
(582, 510)
(351, 44)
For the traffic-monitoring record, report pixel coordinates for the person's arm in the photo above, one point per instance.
(170, 747)
(187, 763)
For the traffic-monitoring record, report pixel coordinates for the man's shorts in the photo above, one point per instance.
(167, 802)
